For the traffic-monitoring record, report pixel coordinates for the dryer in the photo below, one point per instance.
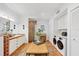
(62, 45)
(55, 39)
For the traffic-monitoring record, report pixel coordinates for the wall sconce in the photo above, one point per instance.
(23, 27)
(14, 26)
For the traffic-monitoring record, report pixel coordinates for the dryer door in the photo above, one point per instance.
(54, 41)
(60, 44)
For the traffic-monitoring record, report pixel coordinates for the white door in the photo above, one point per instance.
(75, 32)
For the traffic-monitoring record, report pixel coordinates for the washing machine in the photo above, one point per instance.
(54, 41)
(62, 45)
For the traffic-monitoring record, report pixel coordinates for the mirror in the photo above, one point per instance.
(4, 25)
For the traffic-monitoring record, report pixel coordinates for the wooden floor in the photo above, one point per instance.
(52, 50)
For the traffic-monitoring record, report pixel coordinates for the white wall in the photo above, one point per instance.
(25, 31)
(51, 29)
(19, 29)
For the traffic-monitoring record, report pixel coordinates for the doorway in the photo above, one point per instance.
(31, 26)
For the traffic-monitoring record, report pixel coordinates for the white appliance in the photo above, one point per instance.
(62, 45)
(57, 38)
(54, 41)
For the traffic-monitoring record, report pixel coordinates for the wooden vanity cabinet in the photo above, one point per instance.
(15, 44)
(12, 44)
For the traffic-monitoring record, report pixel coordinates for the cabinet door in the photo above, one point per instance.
(19, 41)
(75, 32)
(23, 39)
(12, 46)
(62, 22)
(1, 46)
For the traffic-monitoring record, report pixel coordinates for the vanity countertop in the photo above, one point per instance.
(16, 36)
(12, 36)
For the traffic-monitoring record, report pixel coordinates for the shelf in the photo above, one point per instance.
(62, 28)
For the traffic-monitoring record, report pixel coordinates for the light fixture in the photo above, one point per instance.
(6, 17)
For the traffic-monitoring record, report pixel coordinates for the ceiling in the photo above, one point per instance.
(36, 10)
